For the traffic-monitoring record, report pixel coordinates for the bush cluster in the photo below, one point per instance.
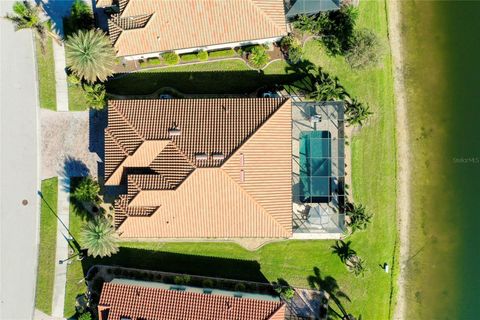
(222, 53)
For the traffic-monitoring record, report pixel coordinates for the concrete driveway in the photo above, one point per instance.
(19, 183)
(70, 142)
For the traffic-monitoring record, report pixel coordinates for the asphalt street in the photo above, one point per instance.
(19, 181)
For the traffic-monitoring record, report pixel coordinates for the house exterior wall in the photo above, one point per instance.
(206, 48)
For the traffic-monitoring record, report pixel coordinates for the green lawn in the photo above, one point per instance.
(48, 241)
(374, 185)
(46, 76)
(216, 77)
(76, 99)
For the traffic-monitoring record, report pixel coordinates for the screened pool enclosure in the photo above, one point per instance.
(318, 167)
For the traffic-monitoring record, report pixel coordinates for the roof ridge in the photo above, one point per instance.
(110, 133)
(128, 122)
(253, 199)
(275, 312)
(255, 4)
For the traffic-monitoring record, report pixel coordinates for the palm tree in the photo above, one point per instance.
(357, 112)
(359, 219)
(28, 16)
(99, 237)
(324, 87)
(355, 264)
(90, 55)
(96, 96)
(87, 190)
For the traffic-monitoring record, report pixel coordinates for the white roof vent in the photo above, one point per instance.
(218, 156)
(201, 156)
(174, 132)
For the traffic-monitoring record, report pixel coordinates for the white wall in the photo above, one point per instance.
(207, 48)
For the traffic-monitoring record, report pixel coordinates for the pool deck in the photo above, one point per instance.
(319, 220)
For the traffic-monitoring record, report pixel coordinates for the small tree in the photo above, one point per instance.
(258, 56)
(359, 219)
(99, 238)
(366, 51)
(337, 29)
(96, 96)
(87, 190)
(286, 292)
(90, 55)
(28, 16)
(356, 112)
(81, 17)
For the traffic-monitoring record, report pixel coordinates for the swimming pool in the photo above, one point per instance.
(315, 166)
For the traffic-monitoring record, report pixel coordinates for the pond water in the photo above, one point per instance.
(442, 50)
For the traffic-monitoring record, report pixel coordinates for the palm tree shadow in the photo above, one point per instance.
(330, 286)
(343, 250)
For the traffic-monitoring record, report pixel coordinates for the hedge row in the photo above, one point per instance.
(172, 58)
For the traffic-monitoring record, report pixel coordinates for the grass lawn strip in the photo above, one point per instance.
(47, 247)
(46, 76)
(374, 176)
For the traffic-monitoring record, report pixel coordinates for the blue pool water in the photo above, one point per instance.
(315, 166)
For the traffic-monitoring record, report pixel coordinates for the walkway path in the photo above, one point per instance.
(60, 77)
(19, 183)
(60, 280)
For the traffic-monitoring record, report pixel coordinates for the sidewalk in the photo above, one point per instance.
(61, 84)
(62, 247)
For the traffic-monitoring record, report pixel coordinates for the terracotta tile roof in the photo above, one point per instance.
(145, 26)
(119, 301)
(174, 192)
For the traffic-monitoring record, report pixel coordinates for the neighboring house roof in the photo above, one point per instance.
(312, 6)
(122, 301)
(153, 26)
(200, 168)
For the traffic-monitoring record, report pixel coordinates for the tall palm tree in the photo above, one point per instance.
(90, 55)
(99, 238)
(28, 16)
(356, 112)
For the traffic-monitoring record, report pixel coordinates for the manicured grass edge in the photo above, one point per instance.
(46, 75)
(47, 247)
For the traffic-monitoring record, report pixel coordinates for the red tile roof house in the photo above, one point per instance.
(123, 299)
(145, 28)
(201, 168)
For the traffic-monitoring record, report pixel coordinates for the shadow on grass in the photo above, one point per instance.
(329, 284)
(198, 82)
(246, 270)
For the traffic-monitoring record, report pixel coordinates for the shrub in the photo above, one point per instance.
(207, 283)
(222, 53)
(258, 56)
(202, 55)
(154, 61)
(96, 96)
(85, 316)
(366, 51)
(182, 280)
(293, 48)
(189, 57)
(171, 58)
(240, 287)
(87, 190)
(359, 218)
(308, 24)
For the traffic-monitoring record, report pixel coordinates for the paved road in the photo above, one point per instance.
(19, 172)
